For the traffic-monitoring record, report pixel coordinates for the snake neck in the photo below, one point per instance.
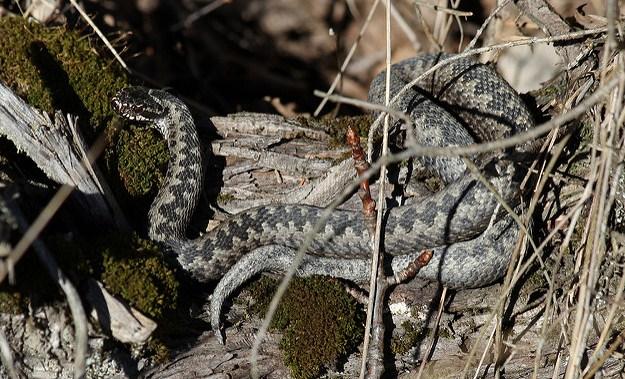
(173, 206)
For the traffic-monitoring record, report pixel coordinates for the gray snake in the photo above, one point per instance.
(462, 103)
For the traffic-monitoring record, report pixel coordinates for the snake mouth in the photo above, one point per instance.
(137, 104)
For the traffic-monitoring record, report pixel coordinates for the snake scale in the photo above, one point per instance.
(462, 103)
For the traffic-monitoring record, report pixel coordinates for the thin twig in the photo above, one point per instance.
(86, 17)
(485, 24)
(407, 29)
(429, 34)
(437, 323)
(438, 8)
(193, 17)
(413, 268)
(517, 139)
(364, 192)
(377, 286)
(348, 58)
(481, 362)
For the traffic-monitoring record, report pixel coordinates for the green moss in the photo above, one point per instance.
(134, 269)
(11, 301)
(319, 321)
(158, 351)
(224, 198)
(339, 126)
(412, 335)
(141, 160)
(56, 68)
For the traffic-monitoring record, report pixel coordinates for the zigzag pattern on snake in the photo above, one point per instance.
(462, 103)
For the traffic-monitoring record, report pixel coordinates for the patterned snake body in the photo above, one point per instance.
(461, 224)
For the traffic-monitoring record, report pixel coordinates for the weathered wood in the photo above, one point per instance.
(58, 149)
(269, 159)
(207, 358)
(265, 124)
(116, 317)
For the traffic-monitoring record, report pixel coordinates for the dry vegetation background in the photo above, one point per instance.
(558, 313)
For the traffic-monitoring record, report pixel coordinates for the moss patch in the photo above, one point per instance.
(319, 320)
(11, 300)
(131, 268)
(141, 160)
(412, 335)
(339, 126)
(224, 198)
(134, 269)
(56, 68)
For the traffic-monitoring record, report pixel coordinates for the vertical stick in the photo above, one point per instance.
(377, 262)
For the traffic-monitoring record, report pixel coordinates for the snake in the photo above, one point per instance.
(463, 225)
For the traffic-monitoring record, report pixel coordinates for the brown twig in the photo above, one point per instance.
(364, 192)
(412, 269)
(378, 285)
(376, 356)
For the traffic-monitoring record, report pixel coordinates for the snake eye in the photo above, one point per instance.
(137, 104)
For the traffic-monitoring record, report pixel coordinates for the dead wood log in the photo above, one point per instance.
(58, 149)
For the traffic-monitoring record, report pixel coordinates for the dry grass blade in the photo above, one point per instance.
(193, 17)
(86, 17)
(486, 22)
(595, 249)
(348, 58)
(437, 322)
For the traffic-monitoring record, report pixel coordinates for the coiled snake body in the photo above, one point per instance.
(462, 103)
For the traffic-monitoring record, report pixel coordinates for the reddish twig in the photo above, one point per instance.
(412, 269)
(361, 165)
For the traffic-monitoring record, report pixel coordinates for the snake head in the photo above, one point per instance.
(138, 104)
